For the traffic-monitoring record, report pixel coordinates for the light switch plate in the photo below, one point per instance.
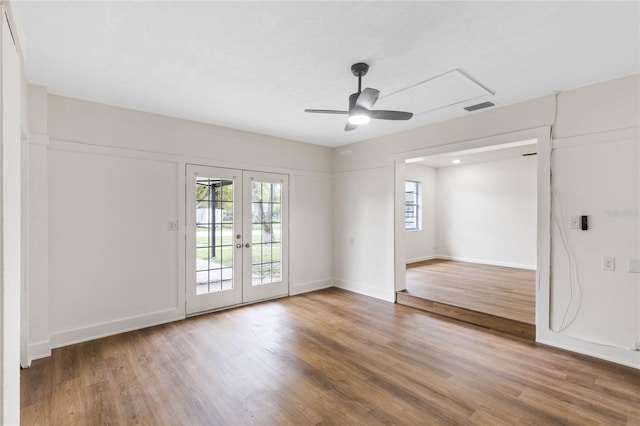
(575, 222)
(634, 265)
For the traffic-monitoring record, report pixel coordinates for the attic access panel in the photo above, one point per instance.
(450, 88)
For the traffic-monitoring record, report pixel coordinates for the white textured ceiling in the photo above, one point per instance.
(256, 66)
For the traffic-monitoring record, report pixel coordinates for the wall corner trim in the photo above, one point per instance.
(310, 286)
(17, 30)
(38, 350)
(421, 259)
(367, 290)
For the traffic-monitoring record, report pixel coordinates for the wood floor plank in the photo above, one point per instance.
(495, 290)
(327, 357)
(505, 325)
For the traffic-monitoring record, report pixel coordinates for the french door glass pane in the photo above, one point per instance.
(266, 207)
(214, 235)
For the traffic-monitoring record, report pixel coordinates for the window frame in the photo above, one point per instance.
(417, 205)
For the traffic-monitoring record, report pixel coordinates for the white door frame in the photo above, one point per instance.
(194, 303)
(253, 293)
(243, 293)
(543, 263)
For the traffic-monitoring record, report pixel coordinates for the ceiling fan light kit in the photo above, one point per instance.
(361, 102)
(359, 118)
(358, 115)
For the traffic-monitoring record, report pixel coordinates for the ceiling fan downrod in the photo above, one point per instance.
(359, 70)
(361, 103)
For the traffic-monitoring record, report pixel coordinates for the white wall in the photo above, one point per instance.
(601, 180)
(380, 152)
(25, 358)
(487, 212)
(361, 267)
(89, 123)
(421, 244)
(311, 262)
(113, 265)
(582, 114)
(110, 253)
(37, 318)
(10, 233)
(595, 164)
(363, 209)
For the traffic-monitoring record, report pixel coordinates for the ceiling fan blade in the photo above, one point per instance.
(367, 98)
(348, 127)
(326, 111)
(390, 115)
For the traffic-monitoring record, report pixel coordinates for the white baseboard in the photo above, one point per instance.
(38, 350)
(608, 353)
(96, 331)
(367, 290)
(309, 286)
(421, 259)
(487, 262)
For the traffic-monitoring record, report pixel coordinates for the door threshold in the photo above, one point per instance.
(238, 305)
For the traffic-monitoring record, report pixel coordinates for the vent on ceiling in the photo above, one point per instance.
(443, 91)
(530, 153)
(479, 106)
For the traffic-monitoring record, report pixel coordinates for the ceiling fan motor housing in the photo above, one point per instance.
(360, 69)
(360, 104)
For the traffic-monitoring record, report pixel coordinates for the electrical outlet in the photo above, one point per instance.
(608, 264)
(575, 222)
(636, 346)
(172, 225)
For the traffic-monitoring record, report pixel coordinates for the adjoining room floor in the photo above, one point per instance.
(330, 357)
(496, 290)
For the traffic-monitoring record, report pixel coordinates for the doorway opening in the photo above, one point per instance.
(474, 255)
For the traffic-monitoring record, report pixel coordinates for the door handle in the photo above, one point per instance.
(247, 245)
(238, 245)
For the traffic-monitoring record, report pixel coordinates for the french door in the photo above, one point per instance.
(236, 224)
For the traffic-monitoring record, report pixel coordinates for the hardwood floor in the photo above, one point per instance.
(329, 357)
(503, 325)
(503, 292)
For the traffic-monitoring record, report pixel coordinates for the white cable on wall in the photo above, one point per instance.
(575, 288)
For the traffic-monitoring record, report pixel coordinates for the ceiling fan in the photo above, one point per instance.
(361, 102)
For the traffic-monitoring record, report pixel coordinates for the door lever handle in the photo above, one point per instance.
(247, 245)
(238, 245)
